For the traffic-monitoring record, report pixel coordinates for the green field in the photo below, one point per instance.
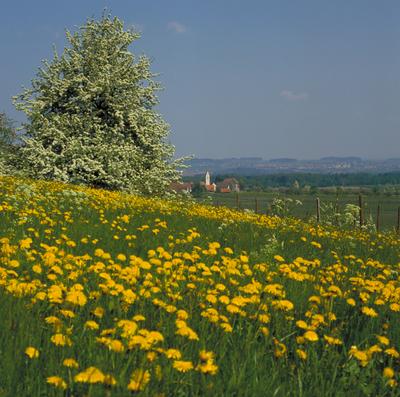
(109, 294)
(388, 204)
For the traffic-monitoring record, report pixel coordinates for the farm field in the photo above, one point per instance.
(108, 294)
(389, 205)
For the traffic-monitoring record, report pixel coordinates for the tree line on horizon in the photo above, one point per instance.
(388, 182)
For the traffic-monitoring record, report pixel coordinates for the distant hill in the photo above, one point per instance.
(259, 166)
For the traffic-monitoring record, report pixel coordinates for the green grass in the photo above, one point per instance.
(389, 205)
(246, 360)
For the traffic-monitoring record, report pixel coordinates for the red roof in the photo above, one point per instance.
(210, 188)
(225, 190)
(179, 187)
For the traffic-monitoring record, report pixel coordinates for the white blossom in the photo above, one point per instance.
(91, 117)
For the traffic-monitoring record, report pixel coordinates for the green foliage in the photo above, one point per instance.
(7, 131)
(7, 141)
(346, 218)
(283, 206)
(197, 189)
(308, 183)
(91, 117)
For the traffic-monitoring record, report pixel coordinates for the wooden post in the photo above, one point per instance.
(336, 209)
(318, 210)
(256, 205)
(237, 201)
(378, 218)
(398, 221)
(360, 204)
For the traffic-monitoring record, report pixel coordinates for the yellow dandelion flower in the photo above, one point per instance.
(301, 354)
(77, 298)
(388, 373)
(369, 311)
(37, 269)
(383, 340)
(98, 252)
(226, 327)
(139, 379)
(70, 363)
(173, 353)
(67, 313)
(205, 355)
(25, 243)
(360, 355)
(182, 315)
(301, 324)
(373, 349)
(109, 380)
(311, 336)
(279, 258)
(61, 340)
(264, 318)
(121, 257)
(283, 304)
(57, 382)
(116, 346)
(32, 352)
(187, 332)
(332, 341)
(314, 299)
(151, 356)
(183, 366)
(91, 325)
(392, 352)
(125, 218)
(207, 367)
(280, 349)
(224, 299)
(211, 298)
(90, 375)
(265, 331)
(98, 312)
(351, 301)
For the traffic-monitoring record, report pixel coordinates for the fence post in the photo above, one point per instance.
(378, 218)
(318, 210)
(336, 209)
(360, 204)
(256, 205)
(398, 221)
(237, 201)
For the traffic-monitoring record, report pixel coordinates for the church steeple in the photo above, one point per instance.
(208, 180)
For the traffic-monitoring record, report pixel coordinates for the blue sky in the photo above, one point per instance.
(282, 78)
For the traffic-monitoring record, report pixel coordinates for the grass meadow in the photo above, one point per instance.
(389, 205)
(108, 294)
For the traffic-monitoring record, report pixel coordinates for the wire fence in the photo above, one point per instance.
(384, 212)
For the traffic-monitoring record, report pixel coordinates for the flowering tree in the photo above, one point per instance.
(91, 116)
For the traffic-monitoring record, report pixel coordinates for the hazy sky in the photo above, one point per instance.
(280, 78)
